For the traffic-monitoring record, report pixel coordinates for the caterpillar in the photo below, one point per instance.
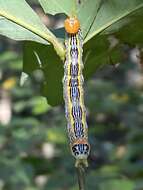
(73, 92)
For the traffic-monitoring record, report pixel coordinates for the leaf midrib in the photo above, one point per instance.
(25, 25)
(112, 22)
(48, 36)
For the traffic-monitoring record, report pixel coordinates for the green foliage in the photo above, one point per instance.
(43, 57)
(34, 150)
(106, 17)
(111, 12)
(18, 24)
(80, 10)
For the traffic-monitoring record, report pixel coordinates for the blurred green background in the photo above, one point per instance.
(34, 150)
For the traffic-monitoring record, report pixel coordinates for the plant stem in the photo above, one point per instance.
(81, 176)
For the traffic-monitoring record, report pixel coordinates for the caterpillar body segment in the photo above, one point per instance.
(74, 94)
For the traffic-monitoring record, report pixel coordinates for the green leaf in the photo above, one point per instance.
(132, 32)
(111, 12)
(95, 16)
(82, 10)
(38, 56)
(25, 24)
(18, 21)
(128, 30)
(97, 53)
(85, 18)
(16, 32)
(57, 6)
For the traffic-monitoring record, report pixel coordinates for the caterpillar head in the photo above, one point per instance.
(72, 25)
(80, 149)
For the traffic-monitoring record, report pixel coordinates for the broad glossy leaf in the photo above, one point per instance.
(19, 22)
(16, 32)
(110, 12)
(128, 30)
(85, 18)
(95, 16)
(132, 33)
(86, 11)
(57, 6)
(97, 53)
(38, 56)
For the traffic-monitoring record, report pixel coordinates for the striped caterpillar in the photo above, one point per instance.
(73, 93)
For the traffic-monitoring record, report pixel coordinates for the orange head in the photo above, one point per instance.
(72, 25)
